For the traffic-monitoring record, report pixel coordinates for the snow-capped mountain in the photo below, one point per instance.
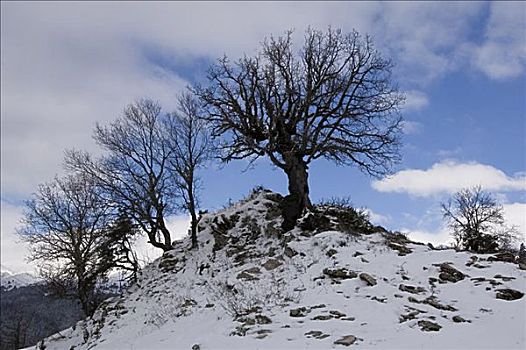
(334, 281)
(10, 280)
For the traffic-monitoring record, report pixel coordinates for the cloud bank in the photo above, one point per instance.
(448, 177)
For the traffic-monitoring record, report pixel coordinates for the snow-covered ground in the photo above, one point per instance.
(248, 288)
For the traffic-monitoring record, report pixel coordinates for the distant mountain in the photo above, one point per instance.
(10, 280)
(333, 281)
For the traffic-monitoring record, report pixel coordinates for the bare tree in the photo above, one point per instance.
(190, 141)
(64, 225)
(134, 174)
(477, 221)
(334, 99)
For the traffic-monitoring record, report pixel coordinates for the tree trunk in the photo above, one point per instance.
(298, 198)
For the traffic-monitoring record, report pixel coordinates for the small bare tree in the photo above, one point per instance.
(334, 99)
(134, 174)
(477, 221)
(191, 147)
(64, 225)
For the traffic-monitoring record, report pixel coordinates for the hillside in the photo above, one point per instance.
(335, 282)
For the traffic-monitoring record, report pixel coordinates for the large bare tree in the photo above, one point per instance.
(189, 140)
(332, 99)
(64, 224)
(134, 173)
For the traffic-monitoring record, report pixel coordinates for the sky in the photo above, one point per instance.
(67, 65)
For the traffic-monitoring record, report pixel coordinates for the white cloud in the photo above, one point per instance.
(502, 55)
(178, 226)
(441, 236)
(448, 177)
(411, 127)
(66, 65)
(415, 100)
(13, 251)
(376, 218)
(515, 214)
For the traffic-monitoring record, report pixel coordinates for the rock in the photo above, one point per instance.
(262, 333)
(522, 266)
(246, 276)
(272, 264)
(168, 264)
(472, 259)
(380, 300)
(347, 319)
(316, 334)
(262, 319)
(322, 317)
(370, 280)
(509, 294)
(253, 270)
(340, 273)
(337, 314)
(289, 252)
(409, 316)
(504, 278)
(434, 303)
(196, 347)
(299, 312)
(247, 321)
(331, 252)
(429, 326)
(504, 257)
(402, 249)
(319, 306)
(413, 300)
(521, 258)
(357, 253)
(459, 319)
(450, 274)
(346, 340)
(411, 289)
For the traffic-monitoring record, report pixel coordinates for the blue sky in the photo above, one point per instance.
(66, 66)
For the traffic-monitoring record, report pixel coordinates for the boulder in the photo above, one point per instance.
(340, 273)
(370, 280)
(450, 274)
(262, 319)
(346, 340)
(272, 264)
(458, 319)
(509, 294)
(316, 335)
(402, 249)
(504, 257)
(246, 276)
(429, 326)
(299, 312)
(411, 289)
(289, 252)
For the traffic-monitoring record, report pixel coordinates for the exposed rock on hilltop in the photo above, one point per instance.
(334, 281)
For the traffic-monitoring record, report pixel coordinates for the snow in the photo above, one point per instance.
(179, 302)
(10, 280)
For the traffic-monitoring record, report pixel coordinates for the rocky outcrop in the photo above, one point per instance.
(340, 273)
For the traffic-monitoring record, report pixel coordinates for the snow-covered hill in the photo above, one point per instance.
(10, 280)
(318, 287)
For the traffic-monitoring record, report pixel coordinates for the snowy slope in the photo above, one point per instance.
(248, 288)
